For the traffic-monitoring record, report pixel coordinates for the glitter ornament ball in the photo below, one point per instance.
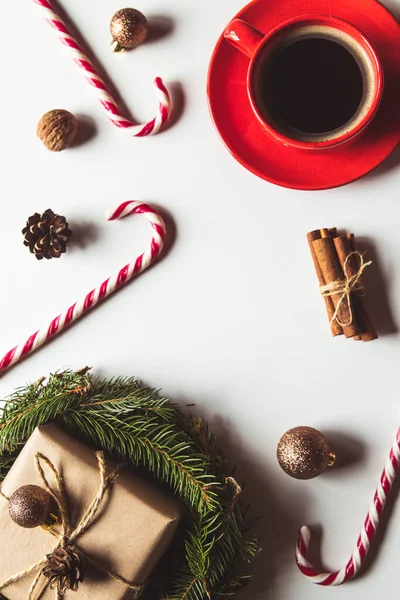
(304, 453)
(30, 506)
(129, 29)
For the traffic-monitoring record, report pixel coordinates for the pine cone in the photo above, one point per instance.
(47, 235)
(65, 569)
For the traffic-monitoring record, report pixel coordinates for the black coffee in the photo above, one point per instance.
(314, 85)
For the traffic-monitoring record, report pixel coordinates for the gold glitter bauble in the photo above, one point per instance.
(129, 28)
(304, 453)
(30, 506)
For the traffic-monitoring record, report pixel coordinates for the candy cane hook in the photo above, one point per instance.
(98, 84)
(108, 286)
(369, 530)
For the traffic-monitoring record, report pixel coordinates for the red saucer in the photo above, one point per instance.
(288, 166)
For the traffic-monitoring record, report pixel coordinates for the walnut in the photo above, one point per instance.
(57, 129)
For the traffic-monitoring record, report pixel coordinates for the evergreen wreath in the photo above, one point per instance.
(139, 426)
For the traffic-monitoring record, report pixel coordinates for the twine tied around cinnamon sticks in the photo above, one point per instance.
(345, 287)
(339, 268)
(68, 535)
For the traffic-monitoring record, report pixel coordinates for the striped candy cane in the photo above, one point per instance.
(98, 84)
(364, 541)
(105, 289)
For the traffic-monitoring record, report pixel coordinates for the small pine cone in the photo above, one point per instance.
(47, 235)
(65, 570)
(57, 129)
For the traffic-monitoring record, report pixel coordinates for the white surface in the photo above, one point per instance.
(231, 319)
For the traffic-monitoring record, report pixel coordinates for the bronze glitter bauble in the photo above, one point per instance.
(304, 453)
(129, 29)
(30, 506)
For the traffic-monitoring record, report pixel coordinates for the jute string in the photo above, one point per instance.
(68, 536)
(345, 287)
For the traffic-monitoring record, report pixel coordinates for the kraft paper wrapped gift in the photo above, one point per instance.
(133, 529)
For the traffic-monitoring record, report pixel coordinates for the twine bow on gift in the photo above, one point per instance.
(63, 568)
(345, 287)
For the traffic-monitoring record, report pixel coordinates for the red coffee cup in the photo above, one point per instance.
(313, 82)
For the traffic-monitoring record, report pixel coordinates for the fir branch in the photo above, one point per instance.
(6, 462)
(146, 443)
(135, 423)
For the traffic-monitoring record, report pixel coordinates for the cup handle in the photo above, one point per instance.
(243, 36)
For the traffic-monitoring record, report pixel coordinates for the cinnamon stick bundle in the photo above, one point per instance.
(339, 270)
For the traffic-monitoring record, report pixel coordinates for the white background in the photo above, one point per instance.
(231, 319)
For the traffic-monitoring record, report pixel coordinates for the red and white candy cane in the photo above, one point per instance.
(105, 289)
(368, 532)
(98, 84)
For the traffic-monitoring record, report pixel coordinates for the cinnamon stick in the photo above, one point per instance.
(332, 271)
(330, 308)
(344, 246)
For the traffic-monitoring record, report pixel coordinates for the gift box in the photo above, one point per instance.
(132, 528)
